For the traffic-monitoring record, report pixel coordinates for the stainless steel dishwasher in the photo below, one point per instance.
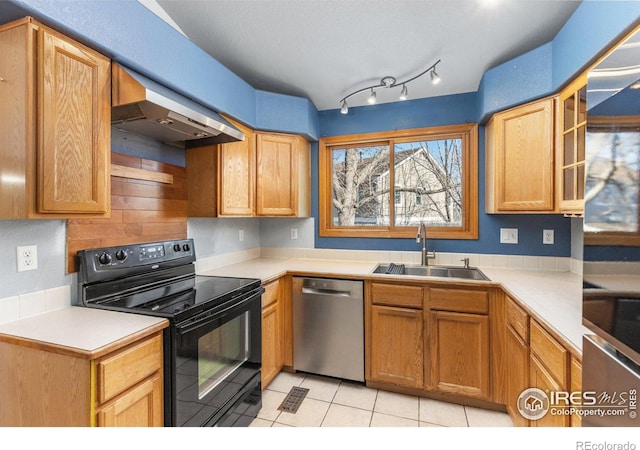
(328, 327)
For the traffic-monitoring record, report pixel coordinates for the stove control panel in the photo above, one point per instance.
(137, 256)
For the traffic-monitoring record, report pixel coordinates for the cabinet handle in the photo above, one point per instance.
(2, 80)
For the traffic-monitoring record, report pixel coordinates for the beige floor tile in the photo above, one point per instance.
(397, 405)
(270, 402)
(356, 395)
(442, 413)
(310, 414)
(280, 425)
(320, 388)
(386, 420)
(478, 417)
(284, 381)
(258, 422)
(346, 416)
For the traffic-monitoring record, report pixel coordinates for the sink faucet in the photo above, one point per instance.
(422, 237)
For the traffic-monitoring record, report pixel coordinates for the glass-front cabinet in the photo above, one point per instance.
(572, 125)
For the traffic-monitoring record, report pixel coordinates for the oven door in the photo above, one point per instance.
(216, 360)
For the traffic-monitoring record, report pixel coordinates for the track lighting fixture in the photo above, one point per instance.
(390, 82)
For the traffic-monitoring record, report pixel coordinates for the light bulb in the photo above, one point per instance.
(372, 97)
(345, 108)
(404, 92)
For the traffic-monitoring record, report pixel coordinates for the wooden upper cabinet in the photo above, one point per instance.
(55, 125)
(520, 172)
(279, 172)
(571, 137)
(266, 174)
(236, 176)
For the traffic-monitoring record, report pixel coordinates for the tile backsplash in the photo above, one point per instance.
(34, 303)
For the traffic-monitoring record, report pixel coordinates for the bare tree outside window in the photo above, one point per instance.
(427, 184)
(611, 188)
(355, 174)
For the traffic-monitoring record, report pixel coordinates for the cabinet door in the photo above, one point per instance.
(520, 159)
(541, 379)
(460, 353)
(518, 375)
(576, 385)
(16, 117)
(277, 182)
(572, 125)
(396, 346)
(236, 176)
(74, 116)
(272, 358)
(140, 406)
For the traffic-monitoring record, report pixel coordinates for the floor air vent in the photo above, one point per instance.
(293, 400)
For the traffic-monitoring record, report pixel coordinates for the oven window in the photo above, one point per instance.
(222, 351)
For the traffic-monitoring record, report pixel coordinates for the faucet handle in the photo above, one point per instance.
(466, 262)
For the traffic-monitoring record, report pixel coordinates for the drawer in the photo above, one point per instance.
(396, 295)
(459, 300)
(518, 319)
(549, 352)
(124, 369)
(271, 293)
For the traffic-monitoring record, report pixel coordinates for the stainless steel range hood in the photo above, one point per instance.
(146, 108)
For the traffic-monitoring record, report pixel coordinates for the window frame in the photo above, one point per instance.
(469, 228)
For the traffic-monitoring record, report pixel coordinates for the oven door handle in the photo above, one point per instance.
(196, 323)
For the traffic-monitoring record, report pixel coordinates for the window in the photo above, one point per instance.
(386, 184)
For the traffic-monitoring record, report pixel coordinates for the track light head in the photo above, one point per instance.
(372, 97)
(404, 93)
(345, 108)
(435, 78)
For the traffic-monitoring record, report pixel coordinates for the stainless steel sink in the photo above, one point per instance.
(471, 273)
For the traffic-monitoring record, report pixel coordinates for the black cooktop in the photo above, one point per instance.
(156, 278)
(202, 292)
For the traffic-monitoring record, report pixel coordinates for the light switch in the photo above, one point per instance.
(508, 235)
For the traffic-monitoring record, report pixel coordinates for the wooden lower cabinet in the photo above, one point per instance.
(540, 378)
(138, 407)
(518, 375)
(576, 385)
(459, 354)
(272, 332)
(59, 387)
(396, 346)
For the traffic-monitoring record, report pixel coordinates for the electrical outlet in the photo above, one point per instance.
(27, 257)
(547, 236)
(241, 235)
(508, 235)
(294, 233)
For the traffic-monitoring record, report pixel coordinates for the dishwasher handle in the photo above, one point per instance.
(320, 291)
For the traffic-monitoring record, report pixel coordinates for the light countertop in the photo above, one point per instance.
(550, 296)
(85, 331)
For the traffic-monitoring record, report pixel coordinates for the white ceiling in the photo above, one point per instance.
(325, 49)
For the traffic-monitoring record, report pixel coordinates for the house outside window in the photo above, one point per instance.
(386, 184)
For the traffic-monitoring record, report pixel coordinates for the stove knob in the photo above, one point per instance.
(104, 258)
(121, 255)
(186, 247)
(176, 247)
